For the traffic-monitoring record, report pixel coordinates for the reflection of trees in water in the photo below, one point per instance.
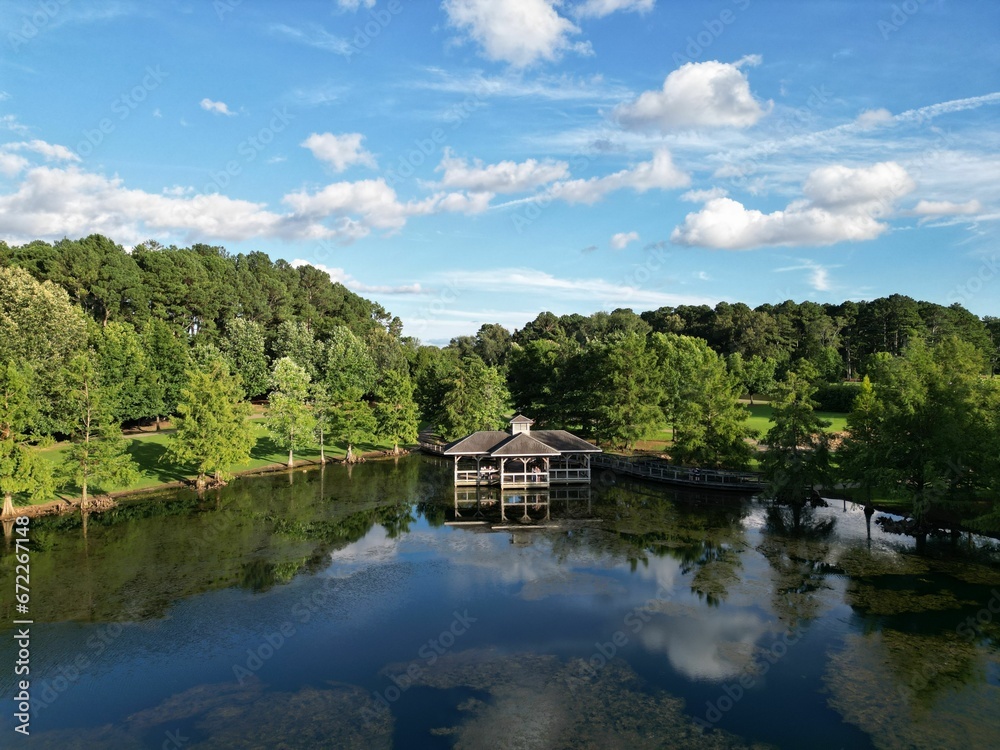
(707, 538)
(256, 533)
(797, 544)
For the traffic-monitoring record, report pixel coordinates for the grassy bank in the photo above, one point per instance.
(760, 420)
(148, 449)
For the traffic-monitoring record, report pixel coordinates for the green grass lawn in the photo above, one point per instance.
(148, 450)
(760, 420)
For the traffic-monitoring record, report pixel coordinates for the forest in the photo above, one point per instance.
(94, 338)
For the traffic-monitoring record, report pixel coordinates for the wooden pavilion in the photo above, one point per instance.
(519, 457)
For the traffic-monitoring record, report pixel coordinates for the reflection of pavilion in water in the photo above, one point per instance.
(528, 507)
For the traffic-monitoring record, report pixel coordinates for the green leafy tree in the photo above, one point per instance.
(169, 360)
(43, 330)
(755, 374)
(132, 386)
(99, 455)
(243, 346)
(861, 456)
(798, 448)
(213, 432)
(625, 389)
(353, 422)
(296, 340)
(24, 475)
(290, 421)
(349, 375)
(936, 427)
(475, 398)
(712, 428)
(323, 407)
(394, 409)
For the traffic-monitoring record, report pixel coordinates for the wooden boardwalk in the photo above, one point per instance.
(661, 471)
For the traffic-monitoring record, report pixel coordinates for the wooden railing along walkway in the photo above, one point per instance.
(656, 469)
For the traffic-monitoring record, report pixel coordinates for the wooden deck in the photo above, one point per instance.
(661, 471)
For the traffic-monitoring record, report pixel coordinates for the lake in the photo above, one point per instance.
(373, 607)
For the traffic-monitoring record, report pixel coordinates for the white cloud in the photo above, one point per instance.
(549, 287)
(53, 203)
(355, 4)
(341, 276)
(10, 122)
(316, 36)
(520, 32)
(620, 240)
(819, 275)
(374, 204)
(946, 208)
(660, 173)
(602, 8)
(4, 96)
(503, 177)
(51, 151)
(842, 204)
(218, 108)
(339, 151)
(873, 118)
(11, 164)
(512, 83)
(703, 196)
(706, 94)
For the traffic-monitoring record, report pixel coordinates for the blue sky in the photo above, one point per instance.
(475, 161)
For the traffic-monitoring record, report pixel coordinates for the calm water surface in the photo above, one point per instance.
(347, 608)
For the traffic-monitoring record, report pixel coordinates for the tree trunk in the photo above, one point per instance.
(322, 449)
(83, 499)
(8, 505)
(291, 460)
(349, 458)
(199, 483)
(395, 449)
(157, 422)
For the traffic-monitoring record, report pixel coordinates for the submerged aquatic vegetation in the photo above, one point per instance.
(539, 701)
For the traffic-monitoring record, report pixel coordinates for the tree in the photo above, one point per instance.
(711, 428)
(131, 384)
(99, 454)
(860, 457)
(625, 389)
(243, 346)
(798, 449)
(43, 330)
(349, 375)
(475, 398)
(492, 344)
(758, 375)
(297, 341)
(353, 422)
(289, 419)
(936, 422)
(213, 432)
(169, 360)
(394, 409)
(23, 473)
(323, 412)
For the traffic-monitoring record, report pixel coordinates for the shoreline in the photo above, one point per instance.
(108, 500)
